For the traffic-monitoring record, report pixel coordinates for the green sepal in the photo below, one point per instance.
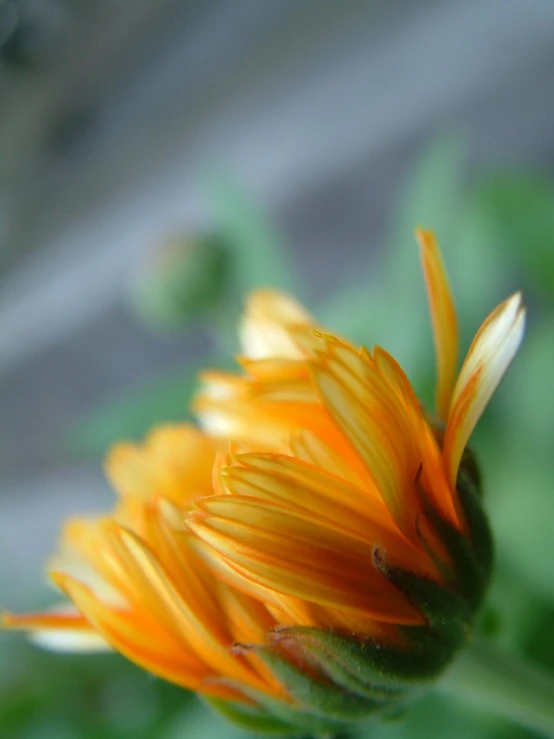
(388, 671)
(353, 663)
(305, 721)
(470, 552)
(476, 520)
(469, 468)
(251, 718)
(446, 613)
(321, 698)
(468, 576)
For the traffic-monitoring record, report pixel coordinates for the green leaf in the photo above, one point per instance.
(202, 723)
(432, 197)
(527, 408)
(520, 210)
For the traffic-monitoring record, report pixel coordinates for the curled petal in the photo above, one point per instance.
(443, 317)
(488, 358)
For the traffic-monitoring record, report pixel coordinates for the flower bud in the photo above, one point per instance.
(184, 280)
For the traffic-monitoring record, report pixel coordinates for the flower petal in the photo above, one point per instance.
(142, 641)
(374, 419)
(488, 358)
(301, 486)
(443, 317)
(60, 629)
(291, 553)
(264, 331)
(175, 461)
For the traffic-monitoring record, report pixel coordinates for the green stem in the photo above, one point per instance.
(505, 684)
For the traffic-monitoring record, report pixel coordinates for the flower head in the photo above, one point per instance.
(138, 585)
(341, 496)
(321, 548)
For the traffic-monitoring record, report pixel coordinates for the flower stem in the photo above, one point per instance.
(505, 684)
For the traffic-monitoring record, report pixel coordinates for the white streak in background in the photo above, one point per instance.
(280, 138)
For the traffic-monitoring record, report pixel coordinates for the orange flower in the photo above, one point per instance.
(335, 459)
(337, 541)
(138, 585)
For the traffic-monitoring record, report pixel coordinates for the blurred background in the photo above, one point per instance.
(158, 158)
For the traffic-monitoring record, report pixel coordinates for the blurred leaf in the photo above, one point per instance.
(166, 399)
(257, 257)
(85, 696)
(201, 722)
(479, 270)
(520, 467)
(432, 197)
(515, 604)
(527, 409)
(520, 494)
(432, 717)
(520, 212)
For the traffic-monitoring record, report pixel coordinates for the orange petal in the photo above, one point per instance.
(80, 556)
(61, 629)
(301, 486)
(154, 650)
(264, 331)
(175, 461)
(312, 561)
(374, 420)
(187, 600)
(308, 447)
(443, 317)
(488, 358)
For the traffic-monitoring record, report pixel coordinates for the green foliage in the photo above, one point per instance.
(519, 213)
(81, 697)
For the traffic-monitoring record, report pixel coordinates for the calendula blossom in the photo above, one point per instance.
(320, 549)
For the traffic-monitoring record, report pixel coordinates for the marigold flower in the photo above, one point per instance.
(138, 585)
(342, 498)
(325, 561)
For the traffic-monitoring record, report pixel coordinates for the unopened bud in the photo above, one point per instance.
(182, 281)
